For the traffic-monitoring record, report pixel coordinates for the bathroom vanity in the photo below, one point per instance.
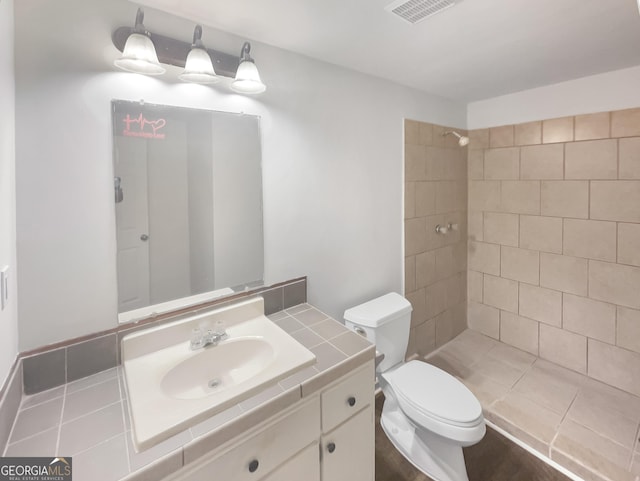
(328, 435)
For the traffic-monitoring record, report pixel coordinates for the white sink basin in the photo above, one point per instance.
(172, 387)
(213, 370)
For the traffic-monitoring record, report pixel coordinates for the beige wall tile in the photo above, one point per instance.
(614, 283)
(475, 225)
(415, 236)
(590, 318)
(593, 126)
(594, 159)
(519, 332)
(484, 319)
(542, 162)
(520, 196)
(565, 198)
(409, 200)
(502, 164)
(426, 337)
(426, 133)
(425, 269)
(446, 196)
(541, 304)
(445, 262)
(629, 244)
(479, 139)
(476, 164)
(501, 136)
(590, 238)
(541, 233)
(564, 348)
(500, 293)
(625, 123)
(615, 366)
(615, 200)
(409, 274)
(433, 240)
(484, 195)
(557, 130)
(438, 139)
(484, 258)
(475, 281)
(520, 264)
(411, 132)
(418, 301)
(501, 228)
(628, 333)
(629, 158)
(529, 133)
(563, 273)
(440, 296)
(440, 163)
(425, 198)
(415, 162)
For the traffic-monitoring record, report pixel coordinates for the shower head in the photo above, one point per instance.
(462, 140)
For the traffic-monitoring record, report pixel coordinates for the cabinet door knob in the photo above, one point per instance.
(253, 466)
(331, 447)
(351, 401)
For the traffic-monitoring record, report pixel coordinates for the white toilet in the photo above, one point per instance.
(428, 415)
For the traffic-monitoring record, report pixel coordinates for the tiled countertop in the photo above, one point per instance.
(89, 419)
(588, 427)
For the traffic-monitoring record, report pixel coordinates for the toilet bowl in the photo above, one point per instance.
(428, 415)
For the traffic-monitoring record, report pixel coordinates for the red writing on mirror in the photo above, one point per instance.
(143, 127)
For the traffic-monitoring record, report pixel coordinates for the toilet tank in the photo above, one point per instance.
(385, 321)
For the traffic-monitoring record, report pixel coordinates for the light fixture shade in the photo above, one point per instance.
(247, 79)
(199, 68)
(140, 56)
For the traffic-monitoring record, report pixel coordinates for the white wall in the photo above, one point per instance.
(615, 90)
(332, 164)
(8, 317)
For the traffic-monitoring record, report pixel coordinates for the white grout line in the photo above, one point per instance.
(64, 400)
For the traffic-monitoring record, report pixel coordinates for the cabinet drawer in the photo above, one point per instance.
(254, 457)
(347, 397)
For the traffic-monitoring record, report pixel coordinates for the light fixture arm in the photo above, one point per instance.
(139, 25)
(245, 53)
(197, 37)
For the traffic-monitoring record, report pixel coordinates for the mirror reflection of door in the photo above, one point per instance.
(132, 221)
(188, 193)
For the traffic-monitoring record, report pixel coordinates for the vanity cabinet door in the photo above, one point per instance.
(348, 452)
(303, 466)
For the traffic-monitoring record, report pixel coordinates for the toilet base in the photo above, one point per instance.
(437, 457)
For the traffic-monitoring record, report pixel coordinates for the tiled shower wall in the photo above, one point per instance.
(554, 241)
(435, 264)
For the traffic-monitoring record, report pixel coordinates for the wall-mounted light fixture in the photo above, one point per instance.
(138, 53)
(198, 67)
(201, 65)
(247, 79)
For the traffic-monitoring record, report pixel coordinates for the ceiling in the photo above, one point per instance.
(475, 50)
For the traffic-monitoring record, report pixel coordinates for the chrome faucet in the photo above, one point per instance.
(201, 339)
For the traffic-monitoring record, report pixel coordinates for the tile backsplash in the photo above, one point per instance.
(435, 264)
(77, 358)
(554, 241)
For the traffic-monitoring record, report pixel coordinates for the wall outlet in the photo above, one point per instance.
(4, 287)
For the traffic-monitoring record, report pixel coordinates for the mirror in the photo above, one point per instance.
(188, 201)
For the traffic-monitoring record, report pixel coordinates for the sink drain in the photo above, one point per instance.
(214, 383)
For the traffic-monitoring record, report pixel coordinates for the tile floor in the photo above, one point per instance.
(588, 427)
(495, 458)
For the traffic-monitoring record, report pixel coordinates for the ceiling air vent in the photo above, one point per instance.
(414, 11)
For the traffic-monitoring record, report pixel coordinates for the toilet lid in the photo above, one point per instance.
(435, 393)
